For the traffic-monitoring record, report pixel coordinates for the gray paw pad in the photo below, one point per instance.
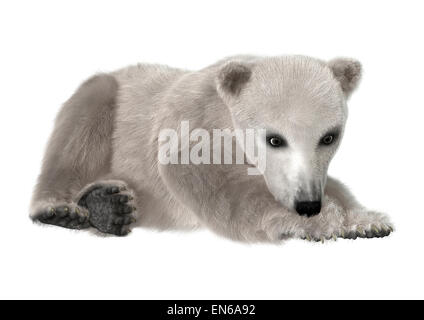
(110, 209)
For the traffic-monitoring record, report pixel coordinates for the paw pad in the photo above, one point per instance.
(111, 209)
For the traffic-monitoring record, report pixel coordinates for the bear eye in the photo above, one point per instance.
(328, 139)
(276, 141)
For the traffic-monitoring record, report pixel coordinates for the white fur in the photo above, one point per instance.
(300, 98)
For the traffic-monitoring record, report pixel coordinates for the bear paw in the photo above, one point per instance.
(67, 216)
(358, 224)
(366, 224)
(110, 208)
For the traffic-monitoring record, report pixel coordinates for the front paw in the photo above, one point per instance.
(66, 215)
(356, 224)
(366, 224)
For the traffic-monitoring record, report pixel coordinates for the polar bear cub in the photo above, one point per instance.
(102, 168)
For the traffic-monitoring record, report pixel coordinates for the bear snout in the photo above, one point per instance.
(308, 208)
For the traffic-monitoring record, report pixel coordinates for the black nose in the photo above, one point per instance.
(308, 208)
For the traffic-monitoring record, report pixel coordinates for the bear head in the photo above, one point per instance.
(301, 103)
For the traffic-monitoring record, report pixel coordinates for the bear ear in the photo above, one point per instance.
(348, 72)
(232, 77)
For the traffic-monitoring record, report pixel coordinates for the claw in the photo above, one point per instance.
(334, 237)
(53, 211)
(49, 214)
(375, 229)
(361, 231)
(308, 237)
(63, 212)
(391, 228)
(342, 234)
(322, 239)
(122, 188)
(77, 211)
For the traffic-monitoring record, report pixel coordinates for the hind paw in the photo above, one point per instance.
(66, 216)
(111, 209)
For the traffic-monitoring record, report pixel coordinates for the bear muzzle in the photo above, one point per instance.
(308, 208)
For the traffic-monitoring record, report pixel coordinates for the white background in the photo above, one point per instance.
(49, 47)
